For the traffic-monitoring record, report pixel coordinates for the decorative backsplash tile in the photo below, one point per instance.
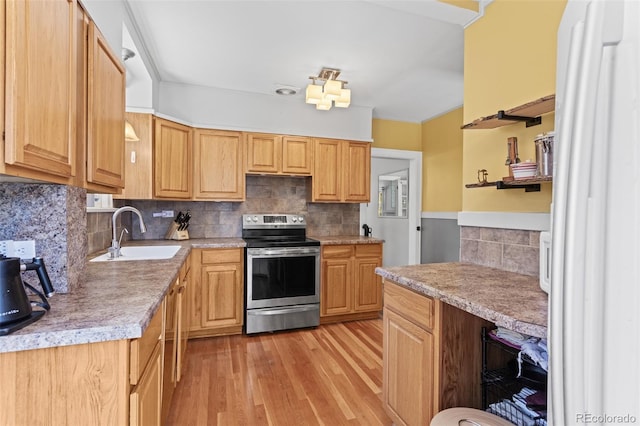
(506, 249)
(265, 194)
(55, 217)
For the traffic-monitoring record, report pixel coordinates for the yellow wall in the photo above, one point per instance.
(396, 135)
(509, 60)
(442, 163)
(466, 4)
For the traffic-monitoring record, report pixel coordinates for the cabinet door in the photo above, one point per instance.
(105, 113)
(327, 175)
(297, 155)
(170, 340)
(357, 171)
(219, 169)
(172, 160)
(146, 398)
(264, 153)
(408, 371)
(337, 287)
(222, 290)
(183, 324)
(41, 76)
(368, 285)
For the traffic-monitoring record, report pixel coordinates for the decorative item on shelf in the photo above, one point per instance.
(331, 92)
(482, 180)
(512, 156)
(544, 154)
(178, 228)
(482, 176)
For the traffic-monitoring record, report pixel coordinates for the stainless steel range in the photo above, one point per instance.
(282, 276)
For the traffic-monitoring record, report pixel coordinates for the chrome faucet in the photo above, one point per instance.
(114, 250)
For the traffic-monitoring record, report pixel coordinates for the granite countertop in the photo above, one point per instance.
(347, 239)
(509, 300)
(115, 300)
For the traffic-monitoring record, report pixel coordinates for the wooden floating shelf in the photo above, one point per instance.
(480, 185)
(529, 185)
(529, 113)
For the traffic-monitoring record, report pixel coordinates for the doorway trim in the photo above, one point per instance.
(415, 194)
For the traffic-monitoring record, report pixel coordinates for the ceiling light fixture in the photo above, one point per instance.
(331, 92)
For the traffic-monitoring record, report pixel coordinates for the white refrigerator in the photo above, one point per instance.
(594, 323)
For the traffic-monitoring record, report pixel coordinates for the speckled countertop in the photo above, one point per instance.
(347, 239)
(116, 300)
(509, 300)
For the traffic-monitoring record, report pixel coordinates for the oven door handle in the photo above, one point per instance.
(279, 311)
(282, 251)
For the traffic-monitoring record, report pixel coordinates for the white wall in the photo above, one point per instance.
(234, 110)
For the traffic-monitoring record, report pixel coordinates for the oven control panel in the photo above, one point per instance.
(272, 220)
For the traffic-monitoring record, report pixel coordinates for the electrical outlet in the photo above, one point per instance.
(167, 213)
(6, 248)
(24, 249)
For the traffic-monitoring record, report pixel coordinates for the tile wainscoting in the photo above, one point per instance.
(507, 249)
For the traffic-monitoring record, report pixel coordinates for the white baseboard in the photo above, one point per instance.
(506, 220)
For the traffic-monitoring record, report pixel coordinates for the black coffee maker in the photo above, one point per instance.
(16, 309)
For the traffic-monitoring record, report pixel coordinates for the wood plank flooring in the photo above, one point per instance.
(330, 375)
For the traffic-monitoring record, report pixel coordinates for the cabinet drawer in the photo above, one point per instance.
(221, 256)
(142, 348)
(368, 250)
(415, 307)
(340, 251)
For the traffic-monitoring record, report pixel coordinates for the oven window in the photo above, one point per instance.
(277, 277)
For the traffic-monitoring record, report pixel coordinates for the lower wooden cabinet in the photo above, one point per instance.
(146, 398)
(217, 299)
(431, 356)
(350, 288)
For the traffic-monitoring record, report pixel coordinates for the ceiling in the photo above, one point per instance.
(403, 59)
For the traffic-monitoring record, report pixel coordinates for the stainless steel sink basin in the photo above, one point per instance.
(140, 253)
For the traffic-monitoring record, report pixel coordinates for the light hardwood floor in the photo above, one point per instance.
(331, 375)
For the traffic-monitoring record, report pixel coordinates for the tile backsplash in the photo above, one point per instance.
(506, 249)
(265, 194)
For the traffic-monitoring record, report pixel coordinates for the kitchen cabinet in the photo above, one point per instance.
(432, 356)
(115, 382)
(217, 299)
(277, 154)
(350, 288)
(183, 315)
(40, 83)
(172, 154)
(342, 171)
(219, 168)
(146, 372)
(170, 348)
(176, 335)
(105, 113)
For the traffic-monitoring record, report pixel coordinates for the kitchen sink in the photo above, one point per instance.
(140, 253)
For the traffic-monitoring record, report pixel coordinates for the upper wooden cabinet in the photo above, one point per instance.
(105, 118)
(172, 159)
(219, 172)
(276, 154)
(342, 171)
(40, 98)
